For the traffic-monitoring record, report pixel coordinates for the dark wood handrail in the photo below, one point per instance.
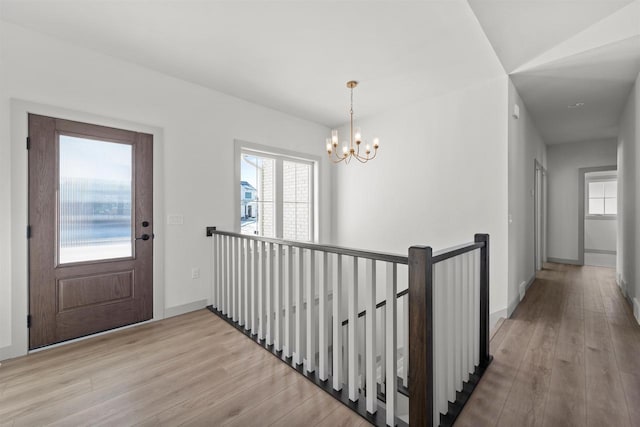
(378, 256)
(437, 257)
(456, 251)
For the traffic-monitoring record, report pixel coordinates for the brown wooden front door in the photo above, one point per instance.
(91, 229)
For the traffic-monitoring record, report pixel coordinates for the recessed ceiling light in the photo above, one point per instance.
(576, 105)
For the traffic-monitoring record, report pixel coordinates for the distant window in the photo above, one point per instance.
(284, 186)
(603, 197)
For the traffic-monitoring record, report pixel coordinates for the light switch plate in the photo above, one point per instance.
(175, 219)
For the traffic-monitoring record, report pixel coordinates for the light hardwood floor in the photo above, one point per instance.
(193, 369)
(569, 356)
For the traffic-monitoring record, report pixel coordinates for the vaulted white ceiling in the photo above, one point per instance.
(296, 56)
(560, 53)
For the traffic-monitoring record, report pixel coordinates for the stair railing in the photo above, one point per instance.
(336, 316)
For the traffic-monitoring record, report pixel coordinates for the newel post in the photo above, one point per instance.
(421, 336)
(485, 357)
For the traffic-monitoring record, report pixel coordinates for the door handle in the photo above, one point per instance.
(143, 237)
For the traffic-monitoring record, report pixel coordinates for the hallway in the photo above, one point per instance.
(570, 355)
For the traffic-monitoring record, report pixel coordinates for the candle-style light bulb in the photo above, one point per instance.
(368, 149)
(329, 145)
(345, 151)
(334, 136)
(358, 136)
(376, 143)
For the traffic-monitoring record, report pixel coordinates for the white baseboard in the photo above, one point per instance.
(622, 285)
(184, 308)
(522, 289)
(495, 316)
(9, 352)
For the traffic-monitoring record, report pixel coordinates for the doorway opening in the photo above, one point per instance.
(600, 218)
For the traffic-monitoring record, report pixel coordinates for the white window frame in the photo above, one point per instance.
(588, 215)
(279, 155)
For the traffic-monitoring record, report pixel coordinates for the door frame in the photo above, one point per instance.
(581, 203)
(19, 213)
(539, 216)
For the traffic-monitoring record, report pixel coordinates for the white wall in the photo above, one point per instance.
(5, 211)
(525, 147)
(198, 129)
(564, 162)
(440, 177)
(628, 200)
(600, 234)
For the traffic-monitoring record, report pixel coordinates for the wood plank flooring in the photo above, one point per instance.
(193, 369)
(569, 356)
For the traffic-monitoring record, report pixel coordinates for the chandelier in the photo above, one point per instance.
(352, 151)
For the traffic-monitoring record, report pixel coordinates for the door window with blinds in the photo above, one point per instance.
(276, 195)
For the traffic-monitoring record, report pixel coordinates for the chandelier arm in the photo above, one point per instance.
(362, 160)
(337, 159)
(366, 157)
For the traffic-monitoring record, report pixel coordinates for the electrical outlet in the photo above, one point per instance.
(195, 273)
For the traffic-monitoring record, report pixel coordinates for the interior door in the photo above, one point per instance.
(91, 229)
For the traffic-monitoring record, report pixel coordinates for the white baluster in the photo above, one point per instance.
(270, 292)
(353, 333)
(255, 286)
(247, 285)
(391, 348)
(234, 281)
(214, 296)
(299, 292)
(457, 335)
(311, 324)
(465, 316)
(371, 349)
(323, 324)
(451, 389)
(469, 299)
(288, 302)
(337, 325)
(439, 351)
(227, 276)
(476, 307)
(362, 332)
(262, 327)
(381, 341)
(241, 281)
(279, 278)
(220, 271)
(405, 340)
